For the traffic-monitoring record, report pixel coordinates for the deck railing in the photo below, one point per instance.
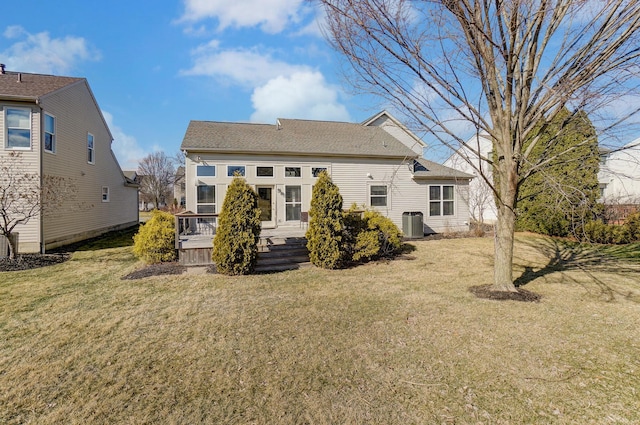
(189, 225)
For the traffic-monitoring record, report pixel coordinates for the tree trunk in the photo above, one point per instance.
(504, 238)
(12, 246)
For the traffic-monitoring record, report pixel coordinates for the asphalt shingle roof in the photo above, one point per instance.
(303, 137)
(31, 86)
(433, 170)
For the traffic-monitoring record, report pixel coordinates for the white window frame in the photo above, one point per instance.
(293, 177)
(441, 201)
(205, 204)
(105, 194)
(315, 171)
(385, 196)
(293, 203)
(53, 134)
(8, 128)
(91, 149)
(208, 166)
(231, 174)
(273, 172)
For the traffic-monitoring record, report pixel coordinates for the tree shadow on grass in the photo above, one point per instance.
(567, 256)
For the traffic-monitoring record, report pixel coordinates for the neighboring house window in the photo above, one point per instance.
(91, 157)
(441, 200)
(105, 194)
(233, 169)
(18, 123)
(292, 172)
(293, 202)
(49, 133)
(206, 170)
(264, 171)
(378, 196)
(206, 199)
(315, 171)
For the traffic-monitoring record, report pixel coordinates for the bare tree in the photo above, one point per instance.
(158, 176)
(26, 195)
(501, 67)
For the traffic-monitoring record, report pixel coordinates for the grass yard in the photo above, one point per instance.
(402, 342)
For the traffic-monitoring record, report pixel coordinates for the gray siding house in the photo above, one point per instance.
(57, 126)
(376, 164)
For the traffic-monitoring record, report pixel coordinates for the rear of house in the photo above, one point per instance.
(372, 167)
(64, 136)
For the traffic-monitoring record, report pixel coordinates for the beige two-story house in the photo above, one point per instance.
(376, 164)
(57, 127)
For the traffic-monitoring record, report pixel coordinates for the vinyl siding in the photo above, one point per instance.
(29, 234)
(399, 133)
(354, 176)
(85, 215)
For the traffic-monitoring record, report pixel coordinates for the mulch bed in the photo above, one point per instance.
(156, 270)
(487, 292)
(32, 261)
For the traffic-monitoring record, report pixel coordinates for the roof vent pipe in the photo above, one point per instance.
(2, 66)
(19, 77)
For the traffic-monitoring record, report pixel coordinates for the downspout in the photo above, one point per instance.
(40, 161)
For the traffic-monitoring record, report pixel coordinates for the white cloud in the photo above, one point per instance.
(301, 95)
(125, 147)
(42, 54)
(241, 66)
(271, 15)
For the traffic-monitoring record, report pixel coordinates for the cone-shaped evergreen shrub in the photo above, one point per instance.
(235, 246)
(324, 236)
(155, 241)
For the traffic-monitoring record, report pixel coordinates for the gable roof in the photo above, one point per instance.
(371, 121)
(292, 136)
(435, 170)
(24, 86)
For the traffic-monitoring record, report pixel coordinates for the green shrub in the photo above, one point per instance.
(155, 240)
(235, 246)
(326, 225)
(376, 237)
(633, 224)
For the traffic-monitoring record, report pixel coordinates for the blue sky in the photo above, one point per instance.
(154, 66)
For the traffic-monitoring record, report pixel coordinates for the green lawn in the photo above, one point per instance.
(402, 342)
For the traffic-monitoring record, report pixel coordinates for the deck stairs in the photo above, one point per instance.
(280, 253)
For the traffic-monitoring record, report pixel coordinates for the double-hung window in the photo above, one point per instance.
(91, 156)
(441, 200)
(378, 196)
(105, 194)
(49, 133)
(18, 128)
(293, 202)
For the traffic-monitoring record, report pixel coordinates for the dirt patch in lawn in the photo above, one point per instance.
(487, 292)
(32, 261)
(156, 270)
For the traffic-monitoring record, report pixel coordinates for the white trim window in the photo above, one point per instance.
(206, 171)
(91, 156)
(18, 128)
(292, 172)
(315, 171)
(378, 195)
(205, 199)
(49, 133)
(293, 202)
(441, 200)
(105, 193)
(264, 171)
(233, 169)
